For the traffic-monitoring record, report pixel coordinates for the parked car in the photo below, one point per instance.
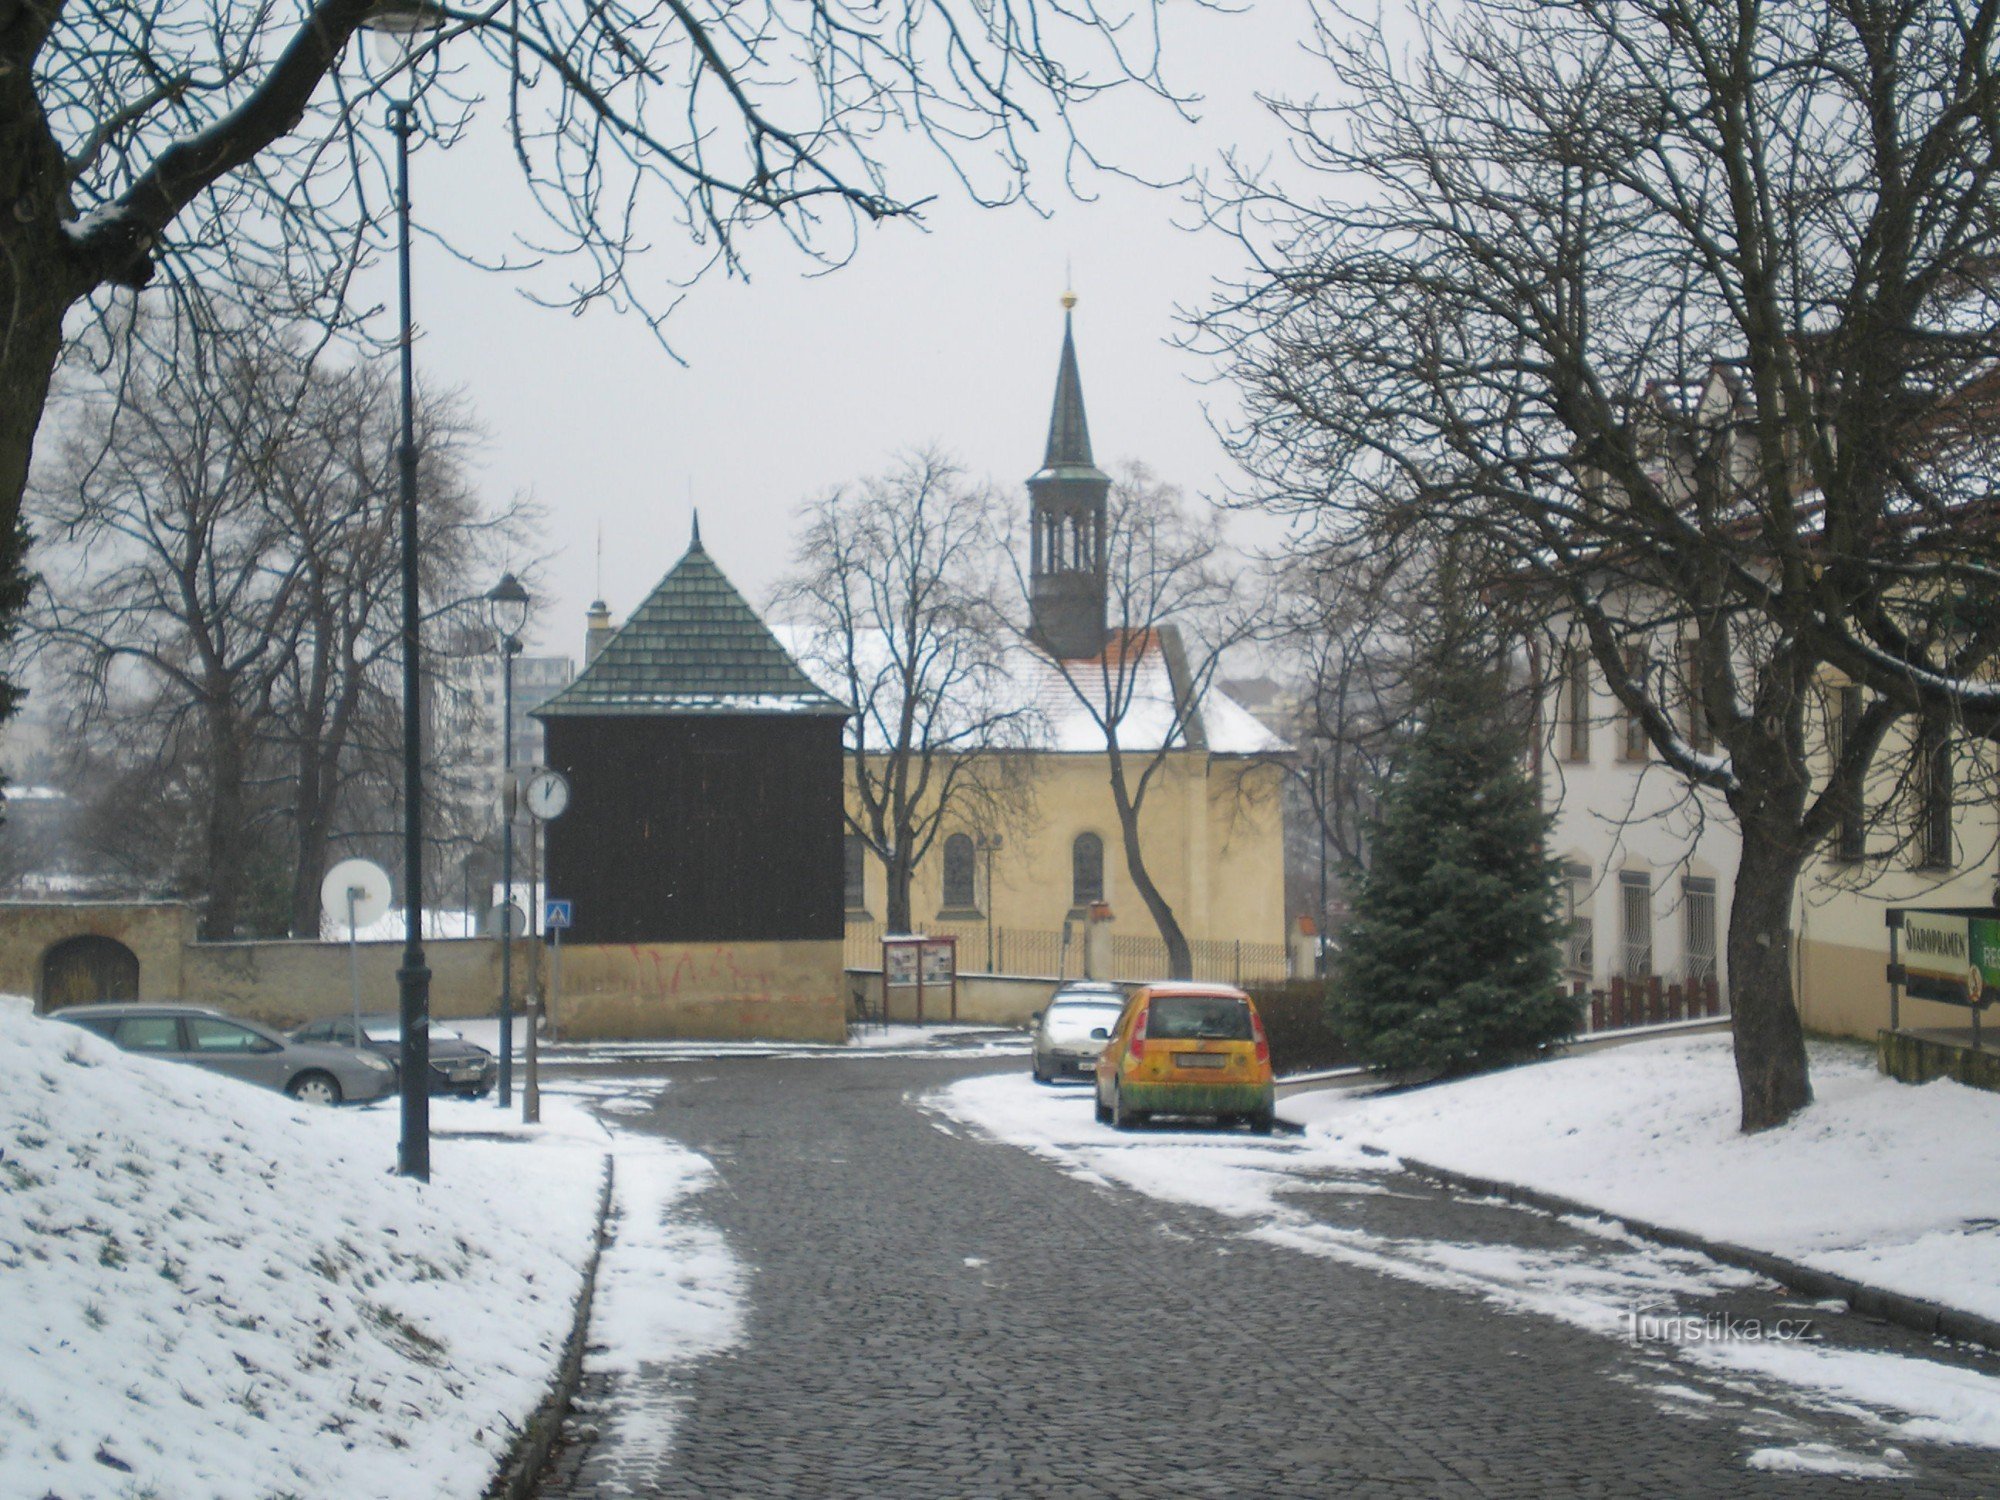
(237, 1049)
(1071, 1032)
(1187, 1049)
(457, 1066)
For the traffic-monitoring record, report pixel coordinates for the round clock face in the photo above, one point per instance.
(548, 794)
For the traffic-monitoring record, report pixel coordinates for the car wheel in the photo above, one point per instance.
(1035, 1066)
(1123, 1116)
(314, 1088)
(1262, 1121)
(1097, 1103)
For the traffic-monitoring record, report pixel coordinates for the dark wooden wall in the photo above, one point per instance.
(703, 828)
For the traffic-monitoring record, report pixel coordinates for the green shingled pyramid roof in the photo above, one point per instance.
(694, 647)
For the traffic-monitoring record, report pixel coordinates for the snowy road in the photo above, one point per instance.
(948, 1290)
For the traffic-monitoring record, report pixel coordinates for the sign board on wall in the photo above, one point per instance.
(1950, 956)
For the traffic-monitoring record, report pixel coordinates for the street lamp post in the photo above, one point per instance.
(507, 613)
(397, 24)
(989, 845)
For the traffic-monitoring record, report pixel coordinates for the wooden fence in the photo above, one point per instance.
(1626, 1003)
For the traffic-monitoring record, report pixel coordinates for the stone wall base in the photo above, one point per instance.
(1918, 1059)
(778, 991)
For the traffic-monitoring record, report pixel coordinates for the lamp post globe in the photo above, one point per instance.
(506, 607)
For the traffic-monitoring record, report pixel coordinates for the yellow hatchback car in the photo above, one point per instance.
(1187, 1049)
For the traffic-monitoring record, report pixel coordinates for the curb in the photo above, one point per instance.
(522, 1468)
(1876, 1302)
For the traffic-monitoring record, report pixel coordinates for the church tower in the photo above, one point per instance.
(1066, 500)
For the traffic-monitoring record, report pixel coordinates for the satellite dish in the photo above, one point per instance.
(369, 884)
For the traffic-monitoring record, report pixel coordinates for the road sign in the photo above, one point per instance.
(556, 915)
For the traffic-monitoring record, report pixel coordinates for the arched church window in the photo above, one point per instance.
(1086, 859)
(959, 885)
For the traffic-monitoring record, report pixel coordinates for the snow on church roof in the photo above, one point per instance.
(1053, 718)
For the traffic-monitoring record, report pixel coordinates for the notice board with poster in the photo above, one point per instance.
(926, 967)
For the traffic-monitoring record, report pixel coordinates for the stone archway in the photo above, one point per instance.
(81, 970)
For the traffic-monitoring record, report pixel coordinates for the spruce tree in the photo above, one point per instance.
(1450, 962)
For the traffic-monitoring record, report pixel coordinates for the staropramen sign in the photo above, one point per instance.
(1951, 956)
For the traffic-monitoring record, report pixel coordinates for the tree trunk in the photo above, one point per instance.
(1180, 958)
(1771, 1068)
(897, 916)
(312, 824)
(223, 841)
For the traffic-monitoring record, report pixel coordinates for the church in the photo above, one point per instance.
(1017, 897)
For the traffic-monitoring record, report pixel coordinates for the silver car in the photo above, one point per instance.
(1071, 1033)
(237, 1049)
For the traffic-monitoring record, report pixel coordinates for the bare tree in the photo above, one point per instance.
(1176, 605)
(1552, 222)
(222, 141)
(895, 582)
(221, 592)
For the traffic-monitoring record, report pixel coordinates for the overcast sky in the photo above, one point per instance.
(793, 384)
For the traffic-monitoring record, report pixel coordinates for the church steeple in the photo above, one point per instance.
(1067, 514)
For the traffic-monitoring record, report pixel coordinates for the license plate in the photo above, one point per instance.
(464, 1075)
(1200, 1060)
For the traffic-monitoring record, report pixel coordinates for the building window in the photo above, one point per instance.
(1635, 895)
(960, 893)
(1698, 918)
(1580, 946)
(1576, 704)
(855, 853)
(1635, 745)
(1851, 838)
(1934, 797)
(1086, 862)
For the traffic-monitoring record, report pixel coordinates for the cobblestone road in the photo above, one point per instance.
(936, 1315)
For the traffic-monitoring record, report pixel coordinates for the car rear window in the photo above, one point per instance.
(1188, 1018)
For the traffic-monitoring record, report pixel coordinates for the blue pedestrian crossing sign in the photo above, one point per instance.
(556, 915)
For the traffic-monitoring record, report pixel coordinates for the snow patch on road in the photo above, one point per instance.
(1826, 1459)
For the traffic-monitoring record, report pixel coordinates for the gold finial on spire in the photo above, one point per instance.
(1068, 300)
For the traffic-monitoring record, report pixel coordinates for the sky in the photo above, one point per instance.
(794, 383)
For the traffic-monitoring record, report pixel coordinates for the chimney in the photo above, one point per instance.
(597, 630)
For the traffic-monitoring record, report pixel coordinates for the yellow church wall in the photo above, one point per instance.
(1212, 830)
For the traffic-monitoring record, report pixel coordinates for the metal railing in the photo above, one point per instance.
(1040, 953)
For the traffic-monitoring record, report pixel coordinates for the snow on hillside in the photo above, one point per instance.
(207, 1290)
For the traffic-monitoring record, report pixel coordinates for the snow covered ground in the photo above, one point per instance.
(1889, 1184)
(208, 1290)
(1873, 1179)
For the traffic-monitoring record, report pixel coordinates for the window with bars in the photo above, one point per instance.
(1086, 858)
(1850, 840)
(1934, 788)
(960, 874)
(1698, 928)
(1576, 704)
(1580, 947)
(1635, 897)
